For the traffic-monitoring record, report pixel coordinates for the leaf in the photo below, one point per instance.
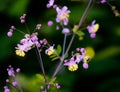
(52, 81)
(59, 49)
(79, 33)
(55, 58)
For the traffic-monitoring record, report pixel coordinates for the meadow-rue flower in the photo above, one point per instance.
(6, 89)
(62, 15)
(50, 23)
(55, 6)
(65, 31)
(85, 65)
(50, 3)
(50, 50)
(27, 43)
(57, 85)
(103, 1)
(11, 71)
(72, 66)
(43, 42)
(38, 26)
(22, 18)
(7, 80)
(15, 83)
(9, 34)
(92, 29)
(18, 70)
(78, 58)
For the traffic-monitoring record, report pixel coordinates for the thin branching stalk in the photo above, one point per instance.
(71, 41)
(42, 68)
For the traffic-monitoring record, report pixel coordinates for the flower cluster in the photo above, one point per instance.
(113, 8)
(22, 18)
(11, 73)
(27, 43)
(77, 57)
(32, 40)
(10, 32)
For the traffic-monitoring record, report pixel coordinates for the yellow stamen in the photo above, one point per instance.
(96, 27)
(50, 52)
(20, 53)
(73, 67)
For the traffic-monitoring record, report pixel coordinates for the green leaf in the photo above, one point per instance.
(79, 33)
(52, 81)
(59, 49)
(54, 58)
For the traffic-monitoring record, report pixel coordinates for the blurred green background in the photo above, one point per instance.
(103, 74)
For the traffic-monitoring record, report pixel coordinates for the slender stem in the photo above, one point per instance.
(61, 59)
(65, 37)
(84, 14)
(42, 68)
(20, 31)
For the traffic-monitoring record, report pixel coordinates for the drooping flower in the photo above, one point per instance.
(50, 50)
(50, 3)
(85, 62)
(92, 29)
(22, 18)
(72, 66)
(62, 15)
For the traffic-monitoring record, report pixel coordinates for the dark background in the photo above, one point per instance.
(103, 72)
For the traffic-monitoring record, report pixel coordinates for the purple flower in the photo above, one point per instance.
(79, 58)
(85, 65)
(27, 43)
(22, 18)
(65, 31)
(6, 89)
(50, 23)
(38, 26)
(11, 71)
(92, 29)
(9, 34)
(50, 50)
(15, 83)
(62, 15)
(50, 3)
(18, 70)
(103, 1)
